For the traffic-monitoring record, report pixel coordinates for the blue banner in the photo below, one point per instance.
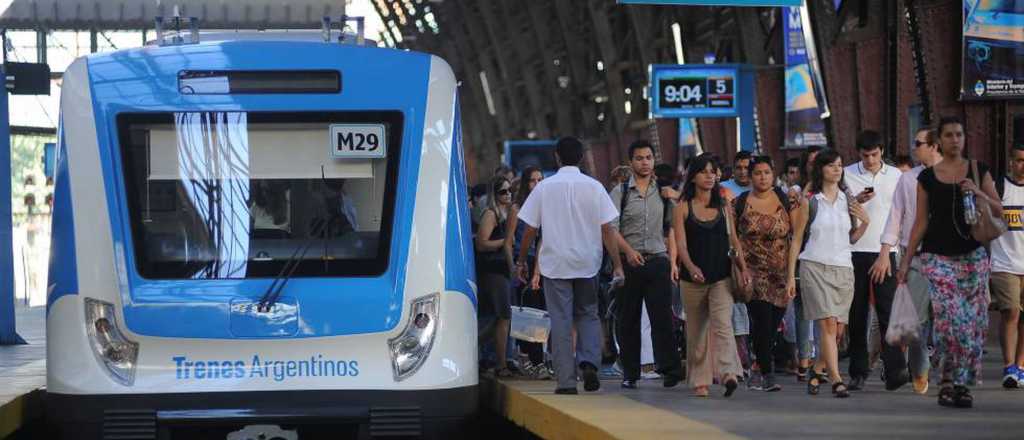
(803, 110)
(713, 2)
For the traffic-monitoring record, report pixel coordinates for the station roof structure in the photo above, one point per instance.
(547, 68)
(139, 14)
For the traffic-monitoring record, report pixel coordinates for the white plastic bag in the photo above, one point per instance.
(530, 324)
(903, 321)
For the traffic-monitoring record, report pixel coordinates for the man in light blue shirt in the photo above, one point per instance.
(740, 181)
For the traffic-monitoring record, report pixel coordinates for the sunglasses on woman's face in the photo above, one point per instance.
(504, 192)
(920, 143)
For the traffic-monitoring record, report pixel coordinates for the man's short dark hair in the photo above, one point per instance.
(569, 151)
(903, 159)
(868, 140)
(1018, 145)
(742, 155)
(793, 162)
(639, 144)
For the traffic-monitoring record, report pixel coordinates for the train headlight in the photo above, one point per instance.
(109, 345)
(410, 348)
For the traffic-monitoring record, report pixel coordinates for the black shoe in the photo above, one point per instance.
(897, 382)
(730, 386)
(856, 383)
(768, 384)
(629, 384)
(566, 391)
(590, 380)
(671, 380)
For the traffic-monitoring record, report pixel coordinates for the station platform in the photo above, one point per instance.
(654, 412)
(23, 372)
(650, 412)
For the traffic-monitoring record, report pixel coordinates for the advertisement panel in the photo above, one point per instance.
(993, 38)
(804, 125)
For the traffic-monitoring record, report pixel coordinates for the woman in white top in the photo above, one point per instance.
(826, 265)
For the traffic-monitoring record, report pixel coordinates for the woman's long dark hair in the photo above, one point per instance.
(805, 177)
(697, 165)
(524, 184)
(825, 157)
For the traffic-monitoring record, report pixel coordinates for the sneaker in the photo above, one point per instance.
(756, 383)
(1012, 377)
(768, 384)
(650, 375)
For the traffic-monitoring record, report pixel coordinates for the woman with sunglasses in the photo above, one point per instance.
(765, 223)
(494, 265)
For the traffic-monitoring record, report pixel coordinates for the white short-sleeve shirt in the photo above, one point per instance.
(570, 208)
(884, 183)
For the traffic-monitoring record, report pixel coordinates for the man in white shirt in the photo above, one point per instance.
(897, 234)
(575, 213)
(874, 184)
(1008, 272)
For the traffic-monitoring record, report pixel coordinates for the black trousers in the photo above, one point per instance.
(892, 357)
(764, 324)
(650, 283)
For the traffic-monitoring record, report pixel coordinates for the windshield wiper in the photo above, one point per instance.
(289, 268)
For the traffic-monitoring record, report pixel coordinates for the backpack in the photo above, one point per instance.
(666, 221)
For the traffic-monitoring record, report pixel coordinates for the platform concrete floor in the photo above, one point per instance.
(23, 372)
(654, 412)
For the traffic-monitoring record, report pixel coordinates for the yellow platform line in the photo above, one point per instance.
(590, 416)
(20, 411)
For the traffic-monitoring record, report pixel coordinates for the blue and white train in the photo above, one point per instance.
(260, 236)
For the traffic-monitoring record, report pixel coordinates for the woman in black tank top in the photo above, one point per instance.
(956, 265)
(702, 237)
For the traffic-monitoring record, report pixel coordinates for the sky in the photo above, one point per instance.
(65, 47)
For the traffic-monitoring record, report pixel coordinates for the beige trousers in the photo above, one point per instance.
(709, 307)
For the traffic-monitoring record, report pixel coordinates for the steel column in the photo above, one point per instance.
(8, 331)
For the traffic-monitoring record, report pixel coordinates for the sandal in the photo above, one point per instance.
(701, 391)
(962, 397)
(801, 374)
(730, 386)
(840, 390)
(946, 395)
(814, 381)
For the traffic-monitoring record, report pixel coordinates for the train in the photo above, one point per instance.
(260, 235)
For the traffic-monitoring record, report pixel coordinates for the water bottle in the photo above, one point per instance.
(970, 208)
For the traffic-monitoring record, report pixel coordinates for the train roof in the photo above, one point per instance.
(311, 36)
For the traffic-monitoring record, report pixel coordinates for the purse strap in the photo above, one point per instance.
(728, 233)
(974, 174)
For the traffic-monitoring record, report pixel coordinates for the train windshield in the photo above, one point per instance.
(228, 195)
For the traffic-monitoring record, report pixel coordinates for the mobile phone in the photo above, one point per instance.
(869, 189)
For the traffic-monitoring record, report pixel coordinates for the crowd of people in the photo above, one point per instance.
(767, 272)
